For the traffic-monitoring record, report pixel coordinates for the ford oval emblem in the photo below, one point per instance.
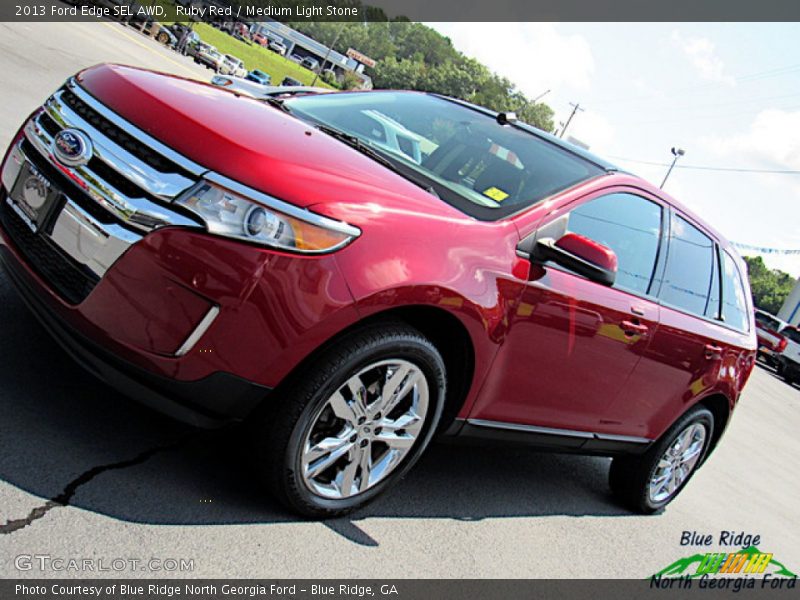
(72, 148)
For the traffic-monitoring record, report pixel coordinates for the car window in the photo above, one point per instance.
(734, 305)
(792, 334)
(630, 225)
(690, 267)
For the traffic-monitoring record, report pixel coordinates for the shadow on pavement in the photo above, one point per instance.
(70, 439)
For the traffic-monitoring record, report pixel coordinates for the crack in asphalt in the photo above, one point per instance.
(63, 499)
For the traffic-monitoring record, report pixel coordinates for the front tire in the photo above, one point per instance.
(353, 422)
(649, 482)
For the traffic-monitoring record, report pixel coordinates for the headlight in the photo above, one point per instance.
(231, 214)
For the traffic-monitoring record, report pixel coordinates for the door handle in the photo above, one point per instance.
(634, 327)
(713, 352)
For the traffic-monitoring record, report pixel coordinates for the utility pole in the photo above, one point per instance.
(575, 108)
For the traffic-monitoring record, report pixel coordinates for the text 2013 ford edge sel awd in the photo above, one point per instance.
(354, 273)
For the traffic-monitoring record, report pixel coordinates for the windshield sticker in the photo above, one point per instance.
(495, 194)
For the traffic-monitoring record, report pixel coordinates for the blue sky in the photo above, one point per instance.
(727, 93)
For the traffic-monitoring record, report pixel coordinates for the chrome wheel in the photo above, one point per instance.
(365, 429)
(677, 462)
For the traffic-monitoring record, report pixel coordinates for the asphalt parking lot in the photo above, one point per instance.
(85, 473)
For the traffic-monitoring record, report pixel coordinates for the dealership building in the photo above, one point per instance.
(302, 46)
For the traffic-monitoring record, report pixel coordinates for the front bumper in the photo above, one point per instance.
(208, 402)
(197, 326)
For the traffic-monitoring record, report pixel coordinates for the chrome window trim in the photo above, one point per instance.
(283, 207)
(167, 152)
(198, 332)
(588, 435)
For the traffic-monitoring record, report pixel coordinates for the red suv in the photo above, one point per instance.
(353, 273)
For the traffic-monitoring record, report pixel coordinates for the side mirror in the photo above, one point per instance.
(581, 255)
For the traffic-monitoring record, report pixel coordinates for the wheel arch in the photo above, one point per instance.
(720, 407)
(445, 330)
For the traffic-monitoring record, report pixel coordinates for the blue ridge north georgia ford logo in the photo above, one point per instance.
(72, 147)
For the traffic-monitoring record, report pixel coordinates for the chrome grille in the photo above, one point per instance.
(107, 204)
(130, 171)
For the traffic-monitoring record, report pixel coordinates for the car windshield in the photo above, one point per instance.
(483, 168)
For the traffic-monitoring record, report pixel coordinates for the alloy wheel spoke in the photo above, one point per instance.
(325, 447)
(396, 441)
(366, 469)
(390, 395)
(343, 409)
(359, 392)
(348, 474)
(323, 464)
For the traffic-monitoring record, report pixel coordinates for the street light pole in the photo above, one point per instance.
(540, 96)
(676, 153)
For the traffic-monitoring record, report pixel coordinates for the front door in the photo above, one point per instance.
(572, 343)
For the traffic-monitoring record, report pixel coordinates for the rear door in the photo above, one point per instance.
(703, 344)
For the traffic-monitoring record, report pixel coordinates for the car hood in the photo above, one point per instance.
(251, 142)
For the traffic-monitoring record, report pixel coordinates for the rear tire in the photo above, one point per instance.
(647, 483)
(353, 422)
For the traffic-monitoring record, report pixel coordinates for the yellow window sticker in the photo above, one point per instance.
(495, 194)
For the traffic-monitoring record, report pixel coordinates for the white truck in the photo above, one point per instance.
(789, 359)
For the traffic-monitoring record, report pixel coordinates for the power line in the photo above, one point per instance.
(708, 168)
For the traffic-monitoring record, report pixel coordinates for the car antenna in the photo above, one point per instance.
(504, 118)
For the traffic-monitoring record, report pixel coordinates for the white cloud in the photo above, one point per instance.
(535, 56)
(701, 53)
(771, 142)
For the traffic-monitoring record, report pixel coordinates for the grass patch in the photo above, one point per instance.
(256, 56)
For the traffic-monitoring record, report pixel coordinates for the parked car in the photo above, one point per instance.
(291, 81)
(194, 50)
(210, 58)
(259, 77)
(771, 342)
(788, 360)
(350, 304)
(277, 46)
(233, 66)
(310, 63)
(260, 39)
(177, 30)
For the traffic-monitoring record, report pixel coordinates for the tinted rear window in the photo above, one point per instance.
(690, 268)
(734, 305)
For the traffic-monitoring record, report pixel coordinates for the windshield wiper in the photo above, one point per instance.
(277, 103)
(356, 143)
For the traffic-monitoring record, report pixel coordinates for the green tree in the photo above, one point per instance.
(770, 287)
